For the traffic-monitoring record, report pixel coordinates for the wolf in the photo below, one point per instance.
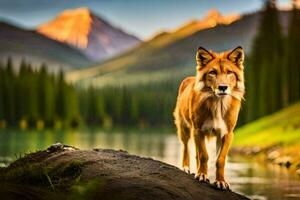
(207, 106)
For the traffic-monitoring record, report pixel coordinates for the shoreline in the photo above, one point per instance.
(275, 155)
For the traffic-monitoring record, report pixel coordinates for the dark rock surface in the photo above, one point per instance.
(65, 172)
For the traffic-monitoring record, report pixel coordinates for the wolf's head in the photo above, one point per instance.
(220, 74)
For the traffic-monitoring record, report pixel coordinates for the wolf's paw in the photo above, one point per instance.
(186, 169)
(222, 185)
(202, 178)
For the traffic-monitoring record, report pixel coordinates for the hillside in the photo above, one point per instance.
(36, 49)
(275, 138)
(92, 35)
(280, 128)
(172, 54)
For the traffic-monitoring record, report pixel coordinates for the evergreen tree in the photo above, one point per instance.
(32, 95)
(60, 97)
(91, 111)
(293, 64)
(2, 105)
(8, 88)
(46, 95)
(117, 101)
(264, 92)
(101, 108)
(134, 109)
(21, 99)
(71, 105)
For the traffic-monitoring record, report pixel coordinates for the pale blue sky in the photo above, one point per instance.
(140, 17)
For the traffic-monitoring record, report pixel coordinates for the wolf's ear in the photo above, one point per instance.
(237, 56)
(203, 57)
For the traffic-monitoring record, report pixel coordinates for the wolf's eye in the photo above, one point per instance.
(213, 73)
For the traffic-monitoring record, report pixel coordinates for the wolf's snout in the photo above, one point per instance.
(222, 88)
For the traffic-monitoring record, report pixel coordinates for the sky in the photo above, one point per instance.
(142, 18)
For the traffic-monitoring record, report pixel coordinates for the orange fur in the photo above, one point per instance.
(208, 105)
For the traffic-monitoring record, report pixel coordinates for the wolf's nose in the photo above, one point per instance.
(223, 88)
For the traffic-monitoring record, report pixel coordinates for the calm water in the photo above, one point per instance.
(255, 180)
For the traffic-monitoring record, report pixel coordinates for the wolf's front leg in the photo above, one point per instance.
(225, 143)
(201, 156)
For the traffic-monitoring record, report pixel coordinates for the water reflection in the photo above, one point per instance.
(247, 177)
(162, 146)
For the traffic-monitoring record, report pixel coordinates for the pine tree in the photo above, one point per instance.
(101, 108)
(71, 106)
(91, 111)
(2, 105)
(293, 64)
(264, 96)
(20, 92)
(46, 95)
(60, 97)
(32, 94)
(134, 109)
(9, 100)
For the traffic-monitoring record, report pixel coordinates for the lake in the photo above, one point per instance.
(256, 180)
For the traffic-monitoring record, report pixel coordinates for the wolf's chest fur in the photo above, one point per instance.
(215, 123)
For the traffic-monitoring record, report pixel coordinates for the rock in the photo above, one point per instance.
(283, 161)
(70, 173)
(59, 146)
(249, 151)
(256, 150)
(273, 155)
(298, 172)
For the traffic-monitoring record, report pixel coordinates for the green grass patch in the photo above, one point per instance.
(280, 128)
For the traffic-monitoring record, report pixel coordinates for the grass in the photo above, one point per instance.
(281, 128)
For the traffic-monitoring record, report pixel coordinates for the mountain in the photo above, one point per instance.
(172, 54)
(36, 49)
(212, 19)
(94, 36)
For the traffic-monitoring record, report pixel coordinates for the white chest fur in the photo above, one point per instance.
(215, 124)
